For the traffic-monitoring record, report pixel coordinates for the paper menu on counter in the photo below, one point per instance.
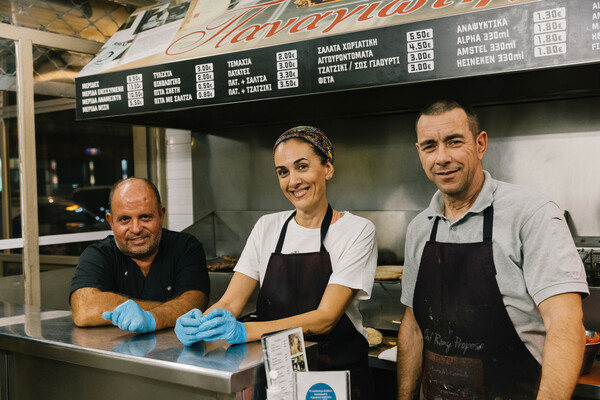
(285, 353)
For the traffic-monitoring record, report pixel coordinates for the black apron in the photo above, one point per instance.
(294, 284)
(471, 349)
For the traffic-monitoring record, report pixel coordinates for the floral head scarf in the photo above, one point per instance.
(310, 134)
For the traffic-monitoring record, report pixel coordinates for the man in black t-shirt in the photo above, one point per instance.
(144, 277)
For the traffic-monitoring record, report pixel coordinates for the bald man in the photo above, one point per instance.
(142, 277)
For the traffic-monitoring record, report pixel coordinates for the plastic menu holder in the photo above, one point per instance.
(285, 353)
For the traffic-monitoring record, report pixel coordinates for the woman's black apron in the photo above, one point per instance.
(471, 349)
(294, 284)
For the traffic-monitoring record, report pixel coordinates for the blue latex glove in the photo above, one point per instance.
(186, 327)
(220, 324)
(131, 317)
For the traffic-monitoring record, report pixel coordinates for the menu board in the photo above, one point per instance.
(512, 38)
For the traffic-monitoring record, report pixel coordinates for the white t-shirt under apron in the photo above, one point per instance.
(350, 242)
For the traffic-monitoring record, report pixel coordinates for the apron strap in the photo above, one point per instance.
(325, 225)
(488, 225)
(324, 228)
(434, 229)
(282, 234)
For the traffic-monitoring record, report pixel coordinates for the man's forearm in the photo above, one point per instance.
(89, 303)
(563, 354)
(166, 314)
(564, 346)
(410, 357)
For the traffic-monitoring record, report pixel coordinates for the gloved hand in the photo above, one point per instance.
(131, 317)
(186, 327)
(220, 324)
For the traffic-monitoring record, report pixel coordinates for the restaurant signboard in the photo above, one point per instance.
(183, 55)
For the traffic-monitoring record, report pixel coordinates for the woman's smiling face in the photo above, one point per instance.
(302, 176)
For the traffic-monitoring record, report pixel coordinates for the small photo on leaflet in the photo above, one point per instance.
(298, 363)
(295, 344)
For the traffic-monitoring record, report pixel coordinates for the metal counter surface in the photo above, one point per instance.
(213, 366)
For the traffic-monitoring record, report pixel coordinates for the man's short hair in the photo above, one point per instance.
(441, 106)
(146, 181)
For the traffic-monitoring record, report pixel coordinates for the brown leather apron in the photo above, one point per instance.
(471, 349)
(294, 284)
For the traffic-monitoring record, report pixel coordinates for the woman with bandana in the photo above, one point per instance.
(313, 265)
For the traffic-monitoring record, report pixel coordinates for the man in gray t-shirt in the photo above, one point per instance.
(492, 279)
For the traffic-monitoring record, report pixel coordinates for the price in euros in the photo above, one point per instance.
(550, 26)
(287, 84)
(206, 85)
(420, 67)
(419, 35)
(134, 78)
(205, 94)
(289, 64)
(420, 45)
(548, 15)
(135, 94)
(135, 86)
(287, 74)
(550, 38)
(287, 55)
(204, 67)
(135, 102)
(205, 76)
(552, 50)
(420, 56)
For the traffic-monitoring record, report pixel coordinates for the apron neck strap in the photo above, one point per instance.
(324, 228)
(488, 224)
(434, 229)
(325, 225)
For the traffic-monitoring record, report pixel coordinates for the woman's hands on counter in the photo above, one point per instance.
(333, 305)
(186, 327)
(219, 324)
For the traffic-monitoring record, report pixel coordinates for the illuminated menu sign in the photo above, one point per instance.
(512, 38)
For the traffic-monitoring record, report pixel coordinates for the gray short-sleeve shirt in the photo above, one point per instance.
(534, 252)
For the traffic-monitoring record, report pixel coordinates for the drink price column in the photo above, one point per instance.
(550, 32)
(287, 69)
(205, 81)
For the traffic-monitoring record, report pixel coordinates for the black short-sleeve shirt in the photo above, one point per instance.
(179, 266)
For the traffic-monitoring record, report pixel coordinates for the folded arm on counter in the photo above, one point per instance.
(89, 303)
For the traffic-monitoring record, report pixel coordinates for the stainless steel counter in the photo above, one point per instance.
(43, 355)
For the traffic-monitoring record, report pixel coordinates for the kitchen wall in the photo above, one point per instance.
(552, 146)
